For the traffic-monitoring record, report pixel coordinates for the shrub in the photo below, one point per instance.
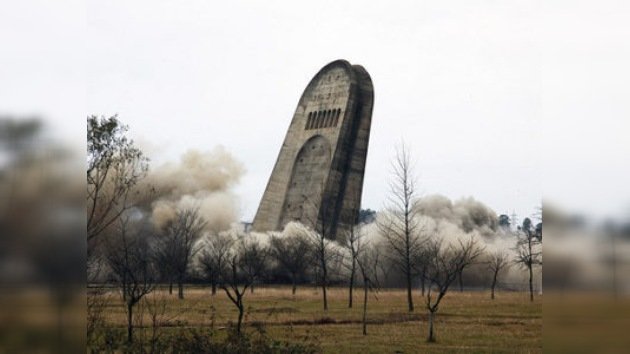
(202, 340)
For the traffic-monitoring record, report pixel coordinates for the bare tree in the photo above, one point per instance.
(460, 279)
(254, 257)
(529, 251)
(401, 226)
(242, 268)
(323, 254)
(293, 254)
(96, 297)
(445, 263)
(177, 244)
(156, 305)
(165, 254)
(130, 259)
(353, 245)
(157, 309)
(320, 236)
(368, 258)
(497, 261)
(114, 167)
(214, 257)
(96, 303)
(420, 266)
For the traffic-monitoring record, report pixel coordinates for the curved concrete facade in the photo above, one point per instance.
(318, 176)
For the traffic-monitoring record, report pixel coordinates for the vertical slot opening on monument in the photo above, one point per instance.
(308, 121)
(337, 112)
(328, 118)
(319, 119)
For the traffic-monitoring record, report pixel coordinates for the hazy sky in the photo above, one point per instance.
(459, 83)
(495, 97)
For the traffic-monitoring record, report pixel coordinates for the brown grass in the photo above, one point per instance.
(466, 322)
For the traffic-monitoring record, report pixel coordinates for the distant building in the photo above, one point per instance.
(246, 226)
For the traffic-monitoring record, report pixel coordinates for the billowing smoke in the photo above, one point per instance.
(467, 214)
(438, 217)
(202, 180)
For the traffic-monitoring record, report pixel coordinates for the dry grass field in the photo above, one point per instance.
(466, 322)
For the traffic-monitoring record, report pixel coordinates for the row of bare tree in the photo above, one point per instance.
(138, 261)
(416, 251)
(124, 245)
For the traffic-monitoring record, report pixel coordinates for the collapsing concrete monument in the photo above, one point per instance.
(318, 176)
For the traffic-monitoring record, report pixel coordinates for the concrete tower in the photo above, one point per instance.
(318, 176)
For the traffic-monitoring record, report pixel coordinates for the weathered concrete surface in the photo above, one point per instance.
(318, 176)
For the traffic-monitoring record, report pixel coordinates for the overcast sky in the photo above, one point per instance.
(460, 84)
(492, 96)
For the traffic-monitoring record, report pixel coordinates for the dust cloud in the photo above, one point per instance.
(202, 180)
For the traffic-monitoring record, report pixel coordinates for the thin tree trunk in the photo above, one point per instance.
(407, 254)
(422, 280)
(240, 315)
(170, 286)
(494, 283)
(129, 323)
(531, 285)
(324, 291)
(431, 336)
(531, 272)
(461, 282)
(154, 335)
(214, 287)
(409, 297)
(324, 279)
(294, 285)
(365, 299)
(351, 284)
(251, 289)
(180, 290)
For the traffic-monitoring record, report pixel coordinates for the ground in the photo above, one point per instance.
(466, 322)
